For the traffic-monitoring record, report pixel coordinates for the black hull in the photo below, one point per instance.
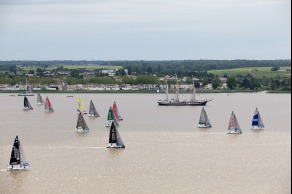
(198, 103)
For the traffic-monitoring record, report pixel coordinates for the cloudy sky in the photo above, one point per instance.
(144, 29)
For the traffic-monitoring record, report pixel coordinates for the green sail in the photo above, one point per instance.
(110, 115)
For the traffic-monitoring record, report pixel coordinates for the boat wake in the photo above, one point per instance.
(70, 147)
(3, 170)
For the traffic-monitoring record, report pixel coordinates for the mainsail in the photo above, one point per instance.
(18, 159)
(116, 112)
(115, 140)
(40, 99)
(81, 107)
(48, 106)
(234, 127)
(26, 104)
(257, 122)
(204, 120)
(81, 124)
(92, 110)
(111, 117)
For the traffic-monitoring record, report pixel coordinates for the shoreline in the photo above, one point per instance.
(143, 91)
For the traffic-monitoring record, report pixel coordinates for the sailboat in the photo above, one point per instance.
(116, 112)
(92, 110)
(115, 140)
(81, 125)
(18, 160)
(81, 108)
(204, 120)
(178, 102)
(234, 127)
(48, 106)
(111, 118)
(26, 104)
(28, 91)
(40, 100)
(257, 122)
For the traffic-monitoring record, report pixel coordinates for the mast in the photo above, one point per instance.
(167, 99)
(193, 99)
(177, 90)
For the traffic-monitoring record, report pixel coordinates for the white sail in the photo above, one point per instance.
(24, 164)
(204, 120)
(234, 127)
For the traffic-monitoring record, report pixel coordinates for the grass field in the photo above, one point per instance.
(87, 67)
(257, 72)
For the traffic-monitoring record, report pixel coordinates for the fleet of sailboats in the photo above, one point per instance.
(48, 106)
(257, 122)
(19, 162)
(81, 125)
(204, 121)
(115, 140)
(26, 104)
(18, 159)
(81, 108)
(92, 110)
(234, 127)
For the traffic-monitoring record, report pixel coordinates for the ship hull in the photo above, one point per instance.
(201, 103)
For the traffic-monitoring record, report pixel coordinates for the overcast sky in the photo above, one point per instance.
(144, 29)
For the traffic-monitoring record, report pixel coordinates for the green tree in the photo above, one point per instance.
(216, 83)
(231, 82)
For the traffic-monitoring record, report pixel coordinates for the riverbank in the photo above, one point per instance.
(145, 91)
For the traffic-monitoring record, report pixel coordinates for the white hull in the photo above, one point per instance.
(257, 127)
(17, 168)
(204, 126)
(26, 108)
(114, 145)
(81, 130)
(83, 112)
(234, 132)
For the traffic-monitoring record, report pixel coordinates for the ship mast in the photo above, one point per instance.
(166, 91)
(177, 90)
(193, 99)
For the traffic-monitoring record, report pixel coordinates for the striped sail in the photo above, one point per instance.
(204, 121)
(92, 110)
(234, 127)
(257, 120)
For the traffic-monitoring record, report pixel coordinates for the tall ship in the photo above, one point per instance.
(179, 102)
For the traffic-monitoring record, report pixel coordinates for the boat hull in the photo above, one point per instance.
(196, 103)
(204, 126)
(25, 94)
(18, 168)
(234, 132)
(114, 145)
(257, 127)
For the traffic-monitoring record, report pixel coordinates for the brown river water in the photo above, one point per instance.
(165, 151)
